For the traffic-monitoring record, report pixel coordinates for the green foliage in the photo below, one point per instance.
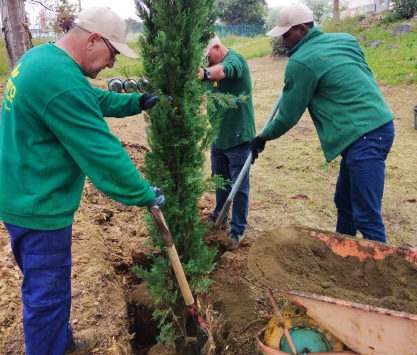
(133, 25)
(391, 17)
(63, 15)
(395, 66)
(241, 12)
(270, 18)
(277, 48)
(406, 8)
(179, 134)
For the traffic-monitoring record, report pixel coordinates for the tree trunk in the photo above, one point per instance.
(336, 10)
(17, 37)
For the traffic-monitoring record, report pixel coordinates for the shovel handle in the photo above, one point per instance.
(245, 168)
(173, 255)
(179, 272)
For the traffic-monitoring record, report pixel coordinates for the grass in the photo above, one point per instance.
(248, 47)
(4, 65)
(396, 66)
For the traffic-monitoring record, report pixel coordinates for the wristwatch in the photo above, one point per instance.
(206, 74)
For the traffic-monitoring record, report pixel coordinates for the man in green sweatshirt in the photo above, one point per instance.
(328, 74)
(52, 134)
(229, 73)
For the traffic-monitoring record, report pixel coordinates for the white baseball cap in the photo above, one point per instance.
(212, 42)
(107, 24)
(291, 15)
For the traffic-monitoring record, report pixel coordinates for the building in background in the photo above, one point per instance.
(365, 7)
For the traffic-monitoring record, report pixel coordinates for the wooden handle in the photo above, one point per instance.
(173, 255)
(281, 320)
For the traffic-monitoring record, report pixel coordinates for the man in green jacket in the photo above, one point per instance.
(53, 134)
(229, 73)
(328, 74)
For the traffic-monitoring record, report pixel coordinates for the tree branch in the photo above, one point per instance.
(41, 4)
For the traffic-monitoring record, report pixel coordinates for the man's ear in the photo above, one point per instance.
(304, 29)
(92, 40)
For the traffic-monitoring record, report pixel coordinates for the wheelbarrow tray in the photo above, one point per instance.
(364, 329)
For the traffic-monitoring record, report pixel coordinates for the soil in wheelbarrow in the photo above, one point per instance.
(290, 260)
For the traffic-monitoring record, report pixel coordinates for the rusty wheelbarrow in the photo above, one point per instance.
(340, 326)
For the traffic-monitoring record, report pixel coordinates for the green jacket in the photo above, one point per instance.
(237, 124)
(52, 134)
(328, 74)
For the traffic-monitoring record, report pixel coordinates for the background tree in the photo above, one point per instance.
(242, 12)
(133, 25)
(324, 10)
(406, 8)
(17, 36)
(270, 18)
(62, 16)
(179, 134)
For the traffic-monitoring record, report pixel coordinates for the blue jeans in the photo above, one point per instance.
(44, 257)
(360, 184)
(228, 163)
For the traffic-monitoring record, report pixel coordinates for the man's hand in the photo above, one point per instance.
(159, 199)
(256, 146)
(148, 101)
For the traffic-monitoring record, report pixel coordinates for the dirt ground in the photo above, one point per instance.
(290, 259)
(289, 187)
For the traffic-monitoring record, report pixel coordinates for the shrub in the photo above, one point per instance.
(179, 134)
(390, 18)
(406, 8)
(278, 49)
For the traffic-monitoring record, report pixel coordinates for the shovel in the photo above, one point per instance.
(206, 347)
(242, 174)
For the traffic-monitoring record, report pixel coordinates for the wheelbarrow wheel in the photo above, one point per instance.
(308, 335)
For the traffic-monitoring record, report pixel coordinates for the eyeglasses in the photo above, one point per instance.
(113, 55)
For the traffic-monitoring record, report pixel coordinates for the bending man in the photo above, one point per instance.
(51, 137)
(229, 73)
(328, 74)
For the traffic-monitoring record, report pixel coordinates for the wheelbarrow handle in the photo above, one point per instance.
(179, 272)
(245, 168)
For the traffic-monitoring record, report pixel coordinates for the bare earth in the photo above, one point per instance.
(289, 187)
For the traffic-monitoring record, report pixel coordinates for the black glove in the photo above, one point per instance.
(159, 199)
(256, 146)
(148, 101)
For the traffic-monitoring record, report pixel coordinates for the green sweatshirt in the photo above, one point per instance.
(52, 134)
(237, 124)
(328, 74)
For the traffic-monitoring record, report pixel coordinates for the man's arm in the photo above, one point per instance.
(99, 154)
(299, 88)
(117, 105)
(216, 73)
(230, 69)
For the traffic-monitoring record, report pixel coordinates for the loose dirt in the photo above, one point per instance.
(288, 259)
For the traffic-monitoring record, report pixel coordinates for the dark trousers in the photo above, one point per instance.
(44, 257)
(228, 163)
(360, 184)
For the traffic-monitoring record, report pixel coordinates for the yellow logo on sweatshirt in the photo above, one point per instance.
(10, 92)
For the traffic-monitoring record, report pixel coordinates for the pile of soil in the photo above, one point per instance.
(290, 260)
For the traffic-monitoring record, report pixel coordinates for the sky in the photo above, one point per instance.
(126, 8)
